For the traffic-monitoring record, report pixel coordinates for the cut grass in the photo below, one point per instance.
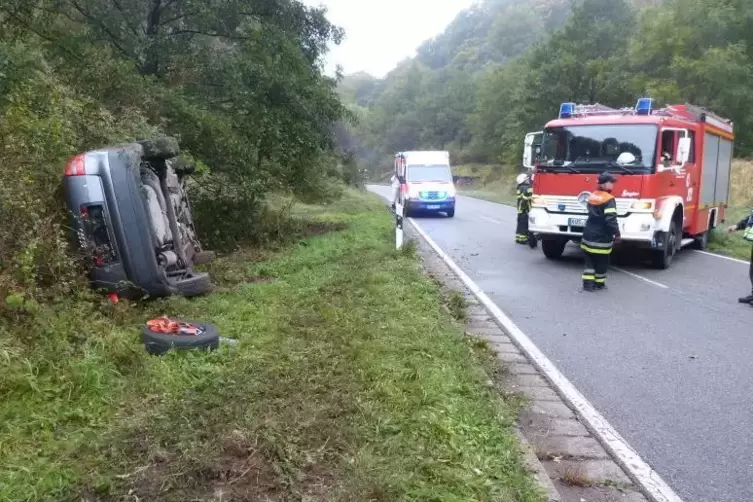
(348, 383)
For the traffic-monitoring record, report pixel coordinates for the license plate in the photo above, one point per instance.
(576, 222)
(432, 206)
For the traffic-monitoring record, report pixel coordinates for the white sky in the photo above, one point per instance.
(381, 33)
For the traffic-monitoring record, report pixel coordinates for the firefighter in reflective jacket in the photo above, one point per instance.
(599, 234)
(524, 194)
(747, 225)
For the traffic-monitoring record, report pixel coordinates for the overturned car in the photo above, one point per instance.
(132, 219)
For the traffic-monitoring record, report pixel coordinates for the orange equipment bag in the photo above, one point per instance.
(171, 327)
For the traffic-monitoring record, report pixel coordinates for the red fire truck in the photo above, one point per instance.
(673, 167)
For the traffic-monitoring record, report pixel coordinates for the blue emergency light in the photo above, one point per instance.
(567, 110)
(644, 106)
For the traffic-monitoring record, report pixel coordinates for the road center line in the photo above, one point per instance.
(490, 219)
(653, 486)
(640, 277)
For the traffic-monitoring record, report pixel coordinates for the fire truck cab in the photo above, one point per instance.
(672, 164)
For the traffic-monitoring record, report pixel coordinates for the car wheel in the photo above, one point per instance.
(160, 343)
(451, 213)
(203, 257)
(196, 285)
(160, 148)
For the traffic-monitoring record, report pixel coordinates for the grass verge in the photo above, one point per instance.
(347, 383)
(501, 192)
(730, 244)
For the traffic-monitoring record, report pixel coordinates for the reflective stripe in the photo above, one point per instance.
(748, 234)
(595, 250)
(589, 271)
(600, 280)
(597, 244)
(587, 277)
(610, 210)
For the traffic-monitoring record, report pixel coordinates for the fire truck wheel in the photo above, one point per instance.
(160, 343)
(553, 247)
(702, 241)
(663, 258)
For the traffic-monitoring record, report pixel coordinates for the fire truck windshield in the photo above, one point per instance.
(419, 173)
(595, 148)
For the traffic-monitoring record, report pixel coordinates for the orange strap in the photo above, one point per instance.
(168, 326)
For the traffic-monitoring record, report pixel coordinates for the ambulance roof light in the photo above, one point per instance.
(644, 106)
(567, 110)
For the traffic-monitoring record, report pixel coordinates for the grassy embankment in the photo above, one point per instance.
(348, 382)
(498, 185)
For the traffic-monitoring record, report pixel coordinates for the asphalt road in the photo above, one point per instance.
(666, 356)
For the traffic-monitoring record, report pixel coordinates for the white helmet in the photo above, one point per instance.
(522, 178)
(626, 158)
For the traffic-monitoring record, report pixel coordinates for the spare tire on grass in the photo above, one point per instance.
(160, 148)
(157, 343)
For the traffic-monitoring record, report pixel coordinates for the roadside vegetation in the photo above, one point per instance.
(502, 69)
(346, 382)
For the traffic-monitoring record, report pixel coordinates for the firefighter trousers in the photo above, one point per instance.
(522, 235)
(750, 270)
(595, 270)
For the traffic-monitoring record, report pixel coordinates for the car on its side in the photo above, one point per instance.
(130, 212)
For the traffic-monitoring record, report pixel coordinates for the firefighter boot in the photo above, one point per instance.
(589, 279)
(746, 299)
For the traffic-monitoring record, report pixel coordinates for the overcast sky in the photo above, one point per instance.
(381, 33)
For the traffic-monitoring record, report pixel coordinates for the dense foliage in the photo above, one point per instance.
(502, 68)
(239, 82)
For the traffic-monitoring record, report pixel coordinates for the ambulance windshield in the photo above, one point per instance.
(595, 148)
(420, 173)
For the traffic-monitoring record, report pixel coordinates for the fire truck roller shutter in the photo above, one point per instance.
(666, 209)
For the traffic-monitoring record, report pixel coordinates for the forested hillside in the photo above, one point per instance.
(503, 67)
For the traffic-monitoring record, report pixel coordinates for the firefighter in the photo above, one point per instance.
(524, 194)
(747, 225)
(600, 233)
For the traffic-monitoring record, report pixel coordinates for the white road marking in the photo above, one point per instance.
(642, 474)
(639, 277)
(722, 256)
(491, 219)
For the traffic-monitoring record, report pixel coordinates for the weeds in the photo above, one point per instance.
(456, 303)
(346, 384)
(575, 475)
